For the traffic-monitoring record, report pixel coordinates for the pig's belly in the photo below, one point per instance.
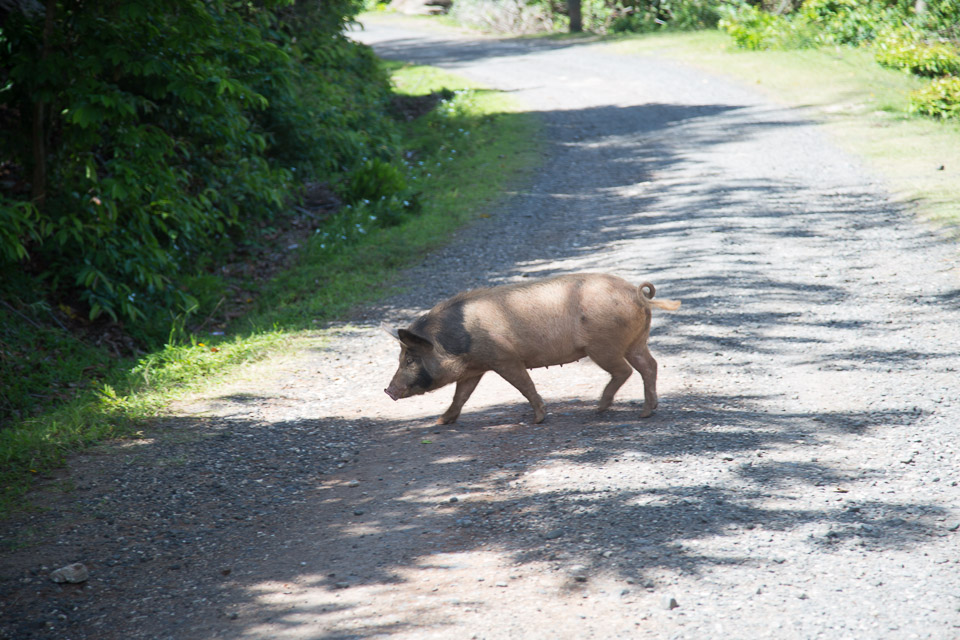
(533, 361)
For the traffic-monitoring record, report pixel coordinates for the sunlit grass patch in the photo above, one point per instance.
(110, 408)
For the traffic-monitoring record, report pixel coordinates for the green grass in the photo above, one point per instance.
(863, 105)
(111, 407)
(473, 148)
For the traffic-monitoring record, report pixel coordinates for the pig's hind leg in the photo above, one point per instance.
(641, 360)
(614, 364)
(516, 374)
(464, 388)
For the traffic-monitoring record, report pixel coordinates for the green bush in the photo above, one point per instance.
(155, 148)
(923, 44)
(157, 135)
(374, 180)
(939, 99)
(755, 29)
(845, 21)
(906, 49)
(941, 19)
(643, 16)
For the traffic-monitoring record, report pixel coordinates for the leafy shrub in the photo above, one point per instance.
(754, 29)
(164, 132)
(335, 111)
(838, 22)
(155, 144)
(749, 26)
(845, 21)
(941, 18)
(18, 226)
(643, 16)
(905, 49)
(939, 99)
(379, 191)
(374, 180)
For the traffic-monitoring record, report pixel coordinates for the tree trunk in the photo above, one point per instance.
(573, 10)
(38, 186)
(920, 6)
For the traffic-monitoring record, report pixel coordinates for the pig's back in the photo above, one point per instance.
(551, 321)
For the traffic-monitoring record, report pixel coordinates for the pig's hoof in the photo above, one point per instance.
(646, 412)
(447, 419)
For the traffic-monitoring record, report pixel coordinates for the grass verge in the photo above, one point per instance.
(464, 154)
(863, 105)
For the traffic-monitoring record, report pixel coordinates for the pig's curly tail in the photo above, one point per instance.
(647, 298)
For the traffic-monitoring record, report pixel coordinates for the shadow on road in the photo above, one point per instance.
(297, 519)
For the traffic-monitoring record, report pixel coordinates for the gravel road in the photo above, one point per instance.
(799, 480)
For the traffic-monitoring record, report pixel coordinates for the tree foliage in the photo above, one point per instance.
(754, 25)
(139, 139)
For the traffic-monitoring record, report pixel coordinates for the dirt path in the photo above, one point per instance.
(800, 479)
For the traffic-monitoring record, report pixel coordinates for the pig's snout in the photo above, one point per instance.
(392, 394)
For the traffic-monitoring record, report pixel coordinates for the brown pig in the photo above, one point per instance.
(512, 328)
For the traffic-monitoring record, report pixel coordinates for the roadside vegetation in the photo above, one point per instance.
(884, 75)
(920, 37)
(331, 170)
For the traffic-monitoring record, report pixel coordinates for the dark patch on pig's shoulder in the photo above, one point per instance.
(451, 330)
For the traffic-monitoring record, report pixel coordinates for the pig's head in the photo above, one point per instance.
(421, 367)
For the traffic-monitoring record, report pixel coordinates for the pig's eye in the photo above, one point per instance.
(409, 360)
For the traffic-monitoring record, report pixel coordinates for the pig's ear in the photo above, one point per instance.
(414, 341)
(390, 331)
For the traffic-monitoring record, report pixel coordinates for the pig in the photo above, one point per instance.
(512, 328)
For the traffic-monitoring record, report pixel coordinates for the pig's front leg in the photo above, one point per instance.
(464, 388)
(516, 374)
